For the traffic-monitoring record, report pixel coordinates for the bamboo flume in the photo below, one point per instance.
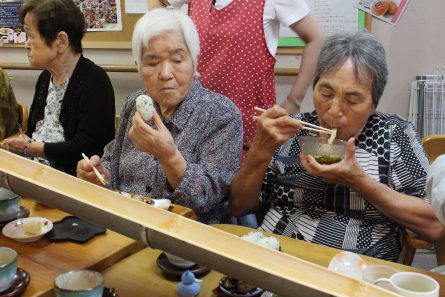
(275, 271)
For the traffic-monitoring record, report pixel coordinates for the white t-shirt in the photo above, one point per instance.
(286, 12)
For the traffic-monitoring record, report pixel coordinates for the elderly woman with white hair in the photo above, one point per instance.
(190, 149)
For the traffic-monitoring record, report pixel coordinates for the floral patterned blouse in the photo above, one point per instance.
(207, 130)
(50, 129)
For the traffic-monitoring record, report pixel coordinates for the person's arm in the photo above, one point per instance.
(435, 187)
(274, 127)
(158, 142)
(94, 119)
(310, 31)
(409, 211)
(202, 181)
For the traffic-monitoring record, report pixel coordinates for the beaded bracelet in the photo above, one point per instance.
(296, 103)
(27, 144)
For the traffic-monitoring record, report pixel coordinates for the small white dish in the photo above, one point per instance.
(178, 261)
(15, 230)
(348, 263)
(439, 269)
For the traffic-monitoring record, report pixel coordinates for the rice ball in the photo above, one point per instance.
(254, 236)
(270, 242)
(145, 107)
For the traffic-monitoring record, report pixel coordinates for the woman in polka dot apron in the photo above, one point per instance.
(238, 44)
(359, 203)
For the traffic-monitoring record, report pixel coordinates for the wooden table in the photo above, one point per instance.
(44, 260)
(138, 274)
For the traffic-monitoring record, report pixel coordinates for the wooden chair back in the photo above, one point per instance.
(434, 146)
(23, 115)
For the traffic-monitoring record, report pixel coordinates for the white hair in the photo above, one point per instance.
(159, 21)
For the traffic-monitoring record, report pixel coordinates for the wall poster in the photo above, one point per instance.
(11, 30)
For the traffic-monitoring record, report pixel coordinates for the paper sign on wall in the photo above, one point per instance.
(386, 10)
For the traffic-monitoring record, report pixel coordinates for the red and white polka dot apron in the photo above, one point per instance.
(235, 60)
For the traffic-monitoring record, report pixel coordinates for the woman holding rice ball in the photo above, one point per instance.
(186, 143)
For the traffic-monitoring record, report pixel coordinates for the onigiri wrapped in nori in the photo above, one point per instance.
(145, 107)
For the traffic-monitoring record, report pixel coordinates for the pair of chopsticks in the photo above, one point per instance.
(100, 176)
(308, 126)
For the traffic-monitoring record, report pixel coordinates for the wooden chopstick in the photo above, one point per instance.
(100, 176)
(314, 127)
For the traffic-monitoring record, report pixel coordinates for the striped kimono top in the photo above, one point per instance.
(307, 208)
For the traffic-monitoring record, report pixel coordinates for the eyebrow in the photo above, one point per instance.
(349, 93)
(172, 52)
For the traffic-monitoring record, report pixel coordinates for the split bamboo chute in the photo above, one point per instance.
(275, 271)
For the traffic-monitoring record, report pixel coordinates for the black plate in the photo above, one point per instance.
(71, 228)
(170, 271)
(19, 284)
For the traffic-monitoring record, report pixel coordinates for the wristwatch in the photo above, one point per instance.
(296, 103)
(27, 144)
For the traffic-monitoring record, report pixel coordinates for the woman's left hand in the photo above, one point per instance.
(15, 145)
(347, 172)
(158, 142)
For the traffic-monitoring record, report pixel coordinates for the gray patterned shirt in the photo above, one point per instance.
(207, 130)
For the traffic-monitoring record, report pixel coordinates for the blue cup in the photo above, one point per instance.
(8, 267)
(9, 205)
(79, 283)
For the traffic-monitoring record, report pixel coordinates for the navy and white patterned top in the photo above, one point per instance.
(207, 130)
(307, 208)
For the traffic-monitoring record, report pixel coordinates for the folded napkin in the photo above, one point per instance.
(435, 187)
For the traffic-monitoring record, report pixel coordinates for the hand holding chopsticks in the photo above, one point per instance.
(308, 126)
(99, 176)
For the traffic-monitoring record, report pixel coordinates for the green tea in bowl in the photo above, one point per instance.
(322, 150)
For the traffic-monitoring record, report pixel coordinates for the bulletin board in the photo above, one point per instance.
(322, 9)
(286, 45)
(113, 39)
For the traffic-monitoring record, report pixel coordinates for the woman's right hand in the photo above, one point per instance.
(273, 128)
(85, 170)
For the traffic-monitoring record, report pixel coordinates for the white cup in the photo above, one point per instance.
(410, 284)
(375, 272)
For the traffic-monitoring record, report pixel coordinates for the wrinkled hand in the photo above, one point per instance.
(85, 170)
(347, 172)
(273, 128)
(157, 142)
(289, 107)
(15, 145)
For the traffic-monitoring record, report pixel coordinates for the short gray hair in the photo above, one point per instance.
(366, 53)
(159, 21)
